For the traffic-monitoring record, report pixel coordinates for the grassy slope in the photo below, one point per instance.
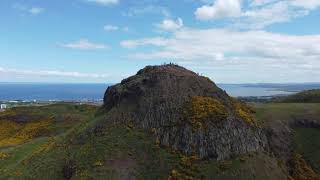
(309, 96)
(23, 139)
(307, 143)
(306, 140)
(74, 149)
(17, 154)
(118, 152)
(249, 167)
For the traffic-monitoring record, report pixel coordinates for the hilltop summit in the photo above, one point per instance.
(184, 111)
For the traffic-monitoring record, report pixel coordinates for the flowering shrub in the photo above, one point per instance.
(301, 170)
(3, 155)
(200, 109)
(244, 112)
(22, 133)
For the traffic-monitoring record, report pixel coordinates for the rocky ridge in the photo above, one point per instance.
(186, 112)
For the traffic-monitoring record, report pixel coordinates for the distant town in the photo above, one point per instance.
(3, 107)
(18, 103)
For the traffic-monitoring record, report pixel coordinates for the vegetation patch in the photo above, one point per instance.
(306, 140)
(23, 133)
(256, 166)
(30, 139)
(244, 112)
(301, 170)
(309, 96)
(200, 109)
(307, 143)
(3, 155)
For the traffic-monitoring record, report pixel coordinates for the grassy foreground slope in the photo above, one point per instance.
(67, 142)
(26, 131)
(303, 119)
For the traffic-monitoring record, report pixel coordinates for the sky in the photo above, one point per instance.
(104, 41)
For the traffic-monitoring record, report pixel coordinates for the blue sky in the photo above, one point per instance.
(230, 41)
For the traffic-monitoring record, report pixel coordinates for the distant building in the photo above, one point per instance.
(3, 106)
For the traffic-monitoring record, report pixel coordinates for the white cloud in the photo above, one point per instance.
(212, 43)
(170, 25)
(225, 50)
(104, 2)
(269, 14)
(308, 4)
(125, 29)
(36, 10)
(84, 44)
(149, 9)
(219, 9)
(110, 28)
(53, 73)
(26, 9)
(258, 13)
(157, 41)
(261, 2)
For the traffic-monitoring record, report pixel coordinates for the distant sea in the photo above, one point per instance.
(52, 92)
(95, 92)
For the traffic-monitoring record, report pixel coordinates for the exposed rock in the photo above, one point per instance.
(158, 99)
(280, 134)
(280, 138)
(307, 123)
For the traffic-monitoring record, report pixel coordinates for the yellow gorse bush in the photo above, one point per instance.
(200, 109)
(244, 112)
(13, 133)
(3, 155)
(301, 170)
(7, 128)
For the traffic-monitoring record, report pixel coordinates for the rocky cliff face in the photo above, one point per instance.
(185, 112)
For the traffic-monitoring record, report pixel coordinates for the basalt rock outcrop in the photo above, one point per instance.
(185, 112)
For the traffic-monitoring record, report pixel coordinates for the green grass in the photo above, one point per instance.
(249, 167)
(123, 153)
(19, 153)
(65, 119)
(118, 154)
(307, 143)
(287, 112)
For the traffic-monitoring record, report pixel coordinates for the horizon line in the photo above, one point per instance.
(221, 83)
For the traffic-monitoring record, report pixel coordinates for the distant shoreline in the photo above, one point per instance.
(94, 92)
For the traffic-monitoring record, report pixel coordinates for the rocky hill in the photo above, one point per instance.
(185, 112)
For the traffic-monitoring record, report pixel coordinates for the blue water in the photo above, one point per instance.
(266, 89)
(46, 92)
(243, 90)
(95, 92)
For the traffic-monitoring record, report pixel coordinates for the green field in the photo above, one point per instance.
(286, 112)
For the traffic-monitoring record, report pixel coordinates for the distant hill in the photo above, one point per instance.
(308, 96)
